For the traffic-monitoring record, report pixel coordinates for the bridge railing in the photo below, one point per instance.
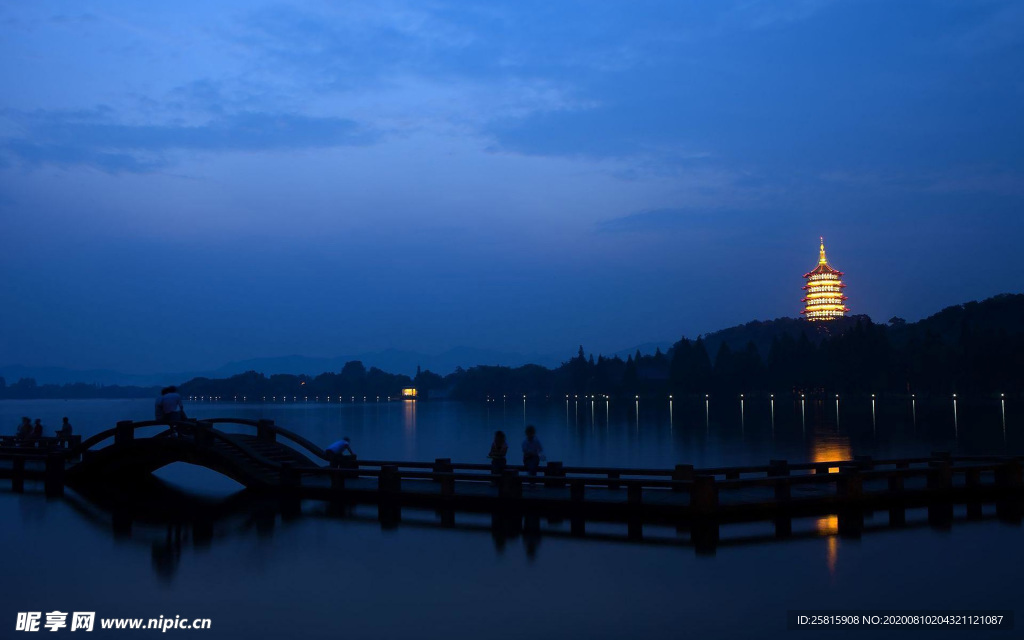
(124, 431)
(269, 431)
(852, 481)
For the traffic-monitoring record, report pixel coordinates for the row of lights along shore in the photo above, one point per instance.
(605, 397)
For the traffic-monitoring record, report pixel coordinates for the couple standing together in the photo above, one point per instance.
(533, 451)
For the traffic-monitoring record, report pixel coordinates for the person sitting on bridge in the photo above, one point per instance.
(499, 449)
(170, 406)
(533, 451)
(24, 429)
(65, 429)
(337, 450)
(37, 429)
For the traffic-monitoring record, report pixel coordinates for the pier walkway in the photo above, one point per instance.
(265, 457)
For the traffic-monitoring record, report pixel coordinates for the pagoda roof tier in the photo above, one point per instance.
(823, 268)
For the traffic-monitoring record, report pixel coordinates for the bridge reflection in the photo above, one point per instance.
(172, 523)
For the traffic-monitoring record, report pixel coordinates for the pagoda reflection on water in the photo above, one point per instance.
(824, 291)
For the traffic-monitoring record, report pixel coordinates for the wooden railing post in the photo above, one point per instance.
(1008, 481)
(124, 432)
(850, 484)
(896, 483)
(1008, 476)
(972, 479)
(554, 470)
(442, 465)
(940, 475)
(635, 494)
(337, 481)
(288, 476)
(448, 486)
(350, 463)
(54, 482)
(389, 481)
(576, 489)
(779, 469)
(704, 495)
(614, 476)
(511, 486)
(682, 473)
(940, 480)
(265, 430)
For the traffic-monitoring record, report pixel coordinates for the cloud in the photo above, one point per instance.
(652, 220)
(95, 138)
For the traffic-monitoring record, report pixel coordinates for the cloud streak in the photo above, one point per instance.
(97, 139)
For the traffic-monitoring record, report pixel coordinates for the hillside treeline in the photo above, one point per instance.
(975, 348)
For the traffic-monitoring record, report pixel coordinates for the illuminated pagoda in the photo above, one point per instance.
(824, 298)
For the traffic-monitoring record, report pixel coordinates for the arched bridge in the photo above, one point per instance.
(255, 460)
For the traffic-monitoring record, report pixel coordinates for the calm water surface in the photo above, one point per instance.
(260, 572)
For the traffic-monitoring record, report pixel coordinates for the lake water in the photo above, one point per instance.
(195, 548)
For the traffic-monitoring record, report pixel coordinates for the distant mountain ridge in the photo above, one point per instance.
(391, 360)
(1001, 314)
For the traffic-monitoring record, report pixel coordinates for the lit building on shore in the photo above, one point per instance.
(824, 299)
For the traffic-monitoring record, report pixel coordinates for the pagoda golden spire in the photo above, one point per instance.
(821, 259)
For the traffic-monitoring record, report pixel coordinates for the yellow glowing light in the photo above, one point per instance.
(409, 392)
(824, 298)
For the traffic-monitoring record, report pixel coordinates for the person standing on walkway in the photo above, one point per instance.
(24, 429)
(499, 449)
(533, 451)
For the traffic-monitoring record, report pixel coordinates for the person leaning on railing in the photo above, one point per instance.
(64, 433)
(337, 450)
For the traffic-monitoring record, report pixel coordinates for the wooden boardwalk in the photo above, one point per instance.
(270, 458)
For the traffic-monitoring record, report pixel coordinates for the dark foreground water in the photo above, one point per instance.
(259, 572)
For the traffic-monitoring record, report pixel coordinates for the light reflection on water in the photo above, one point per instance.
(635, 432)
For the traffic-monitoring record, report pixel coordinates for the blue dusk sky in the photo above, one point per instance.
(188, 183)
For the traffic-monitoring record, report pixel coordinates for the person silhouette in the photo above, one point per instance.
(170, 406)
(533, 451)
(499, 449)
(338, 450)
(24, 429)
